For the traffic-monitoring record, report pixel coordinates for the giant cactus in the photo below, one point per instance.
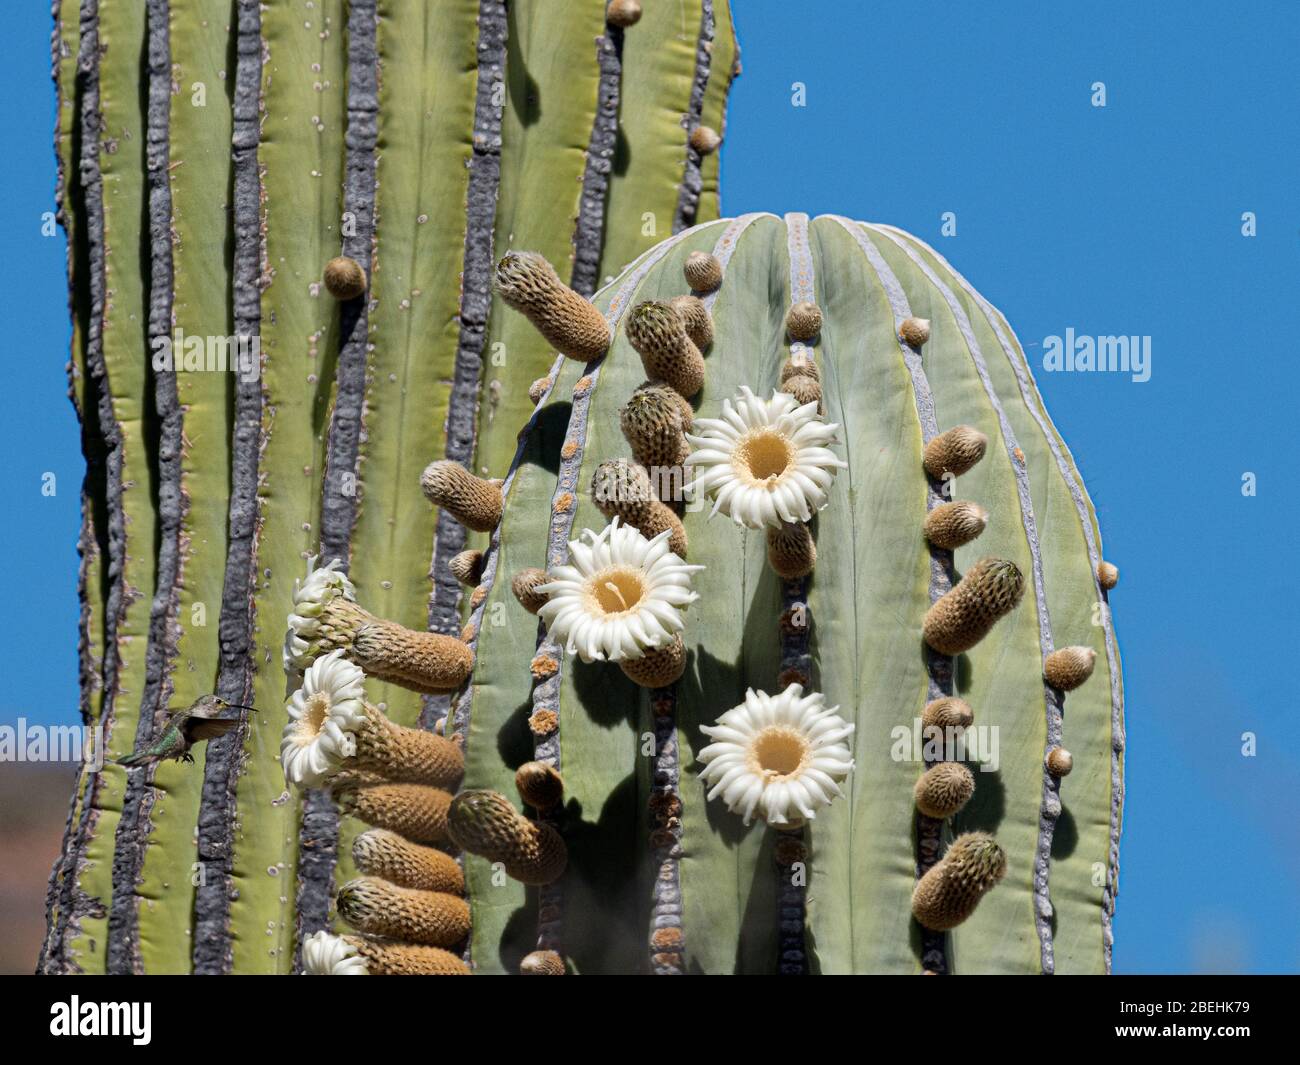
(214, 157)
(931, 426)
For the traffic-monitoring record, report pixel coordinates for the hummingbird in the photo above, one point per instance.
(184, 728)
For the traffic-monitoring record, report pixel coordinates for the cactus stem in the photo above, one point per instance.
(948, 894)
(431, 918)
(1068, 667)
(524, 585)
(658, 333)
(382, 853)
(344, 278)
(964, 616)
(954, 452)
(473, 501)
(529, 284)
(703, 272)
(950, 525)
(485, 823)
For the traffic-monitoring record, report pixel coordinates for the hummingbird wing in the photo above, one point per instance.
(199, 728)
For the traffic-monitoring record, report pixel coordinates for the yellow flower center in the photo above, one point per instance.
(778, 751)
(615, 591)
(311, 723)
(763, 456)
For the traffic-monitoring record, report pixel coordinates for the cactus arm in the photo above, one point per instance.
(112, 167)
(133, 827)
(199, 187)
(658, 74)
(414, 303)
(865, 848)
(1091, 801)
(299, 341)
(1002, 933)
(551, 89)
(724, 66)
(688, 194)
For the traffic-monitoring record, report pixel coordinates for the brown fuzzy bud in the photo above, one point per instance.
(804, 388)
(538, 389)
(658, 667)
(1069, 667)
(620, 13)
(696, 318)
(705, 139)
(947, 712)
(703, 271)
(1107, 575)
(623, 488)
(949, 525)
(965, 615)
(915, 331)
(427, 662)
(467, 567)
(529, 284)
(803, 321)
(1059, 762)
(544, 962)
(953, 887)
(386, 958)
(658, 333)
(525, 584)
(406, 755)
(474, 502)
(379, 852)
(790, 550)
(800, 365)
(652, 424)
(955, 451)
(416, 811)
(421, 661)
(540, 785)
(435, 918)
(485, 823)
(944, 789)
(344, 278)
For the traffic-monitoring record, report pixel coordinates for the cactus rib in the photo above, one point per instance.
(1050, 806)
(688, 197)
(133, 826)
(1015, 356)
(588, 235)
(318, 834)
(475, 305)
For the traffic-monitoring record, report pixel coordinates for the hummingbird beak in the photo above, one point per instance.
(236, 706)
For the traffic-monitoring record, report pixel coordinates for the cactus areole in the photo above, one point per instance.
(749, 616)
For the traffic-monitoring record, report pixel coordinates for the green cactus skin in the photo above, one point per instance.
(721, 906)
(121, 895)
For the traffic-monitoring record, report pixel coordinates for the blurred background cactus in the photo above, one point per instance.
(214, 157)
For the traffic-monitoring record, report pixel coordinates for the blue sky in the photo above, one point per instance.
(1117, 220)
